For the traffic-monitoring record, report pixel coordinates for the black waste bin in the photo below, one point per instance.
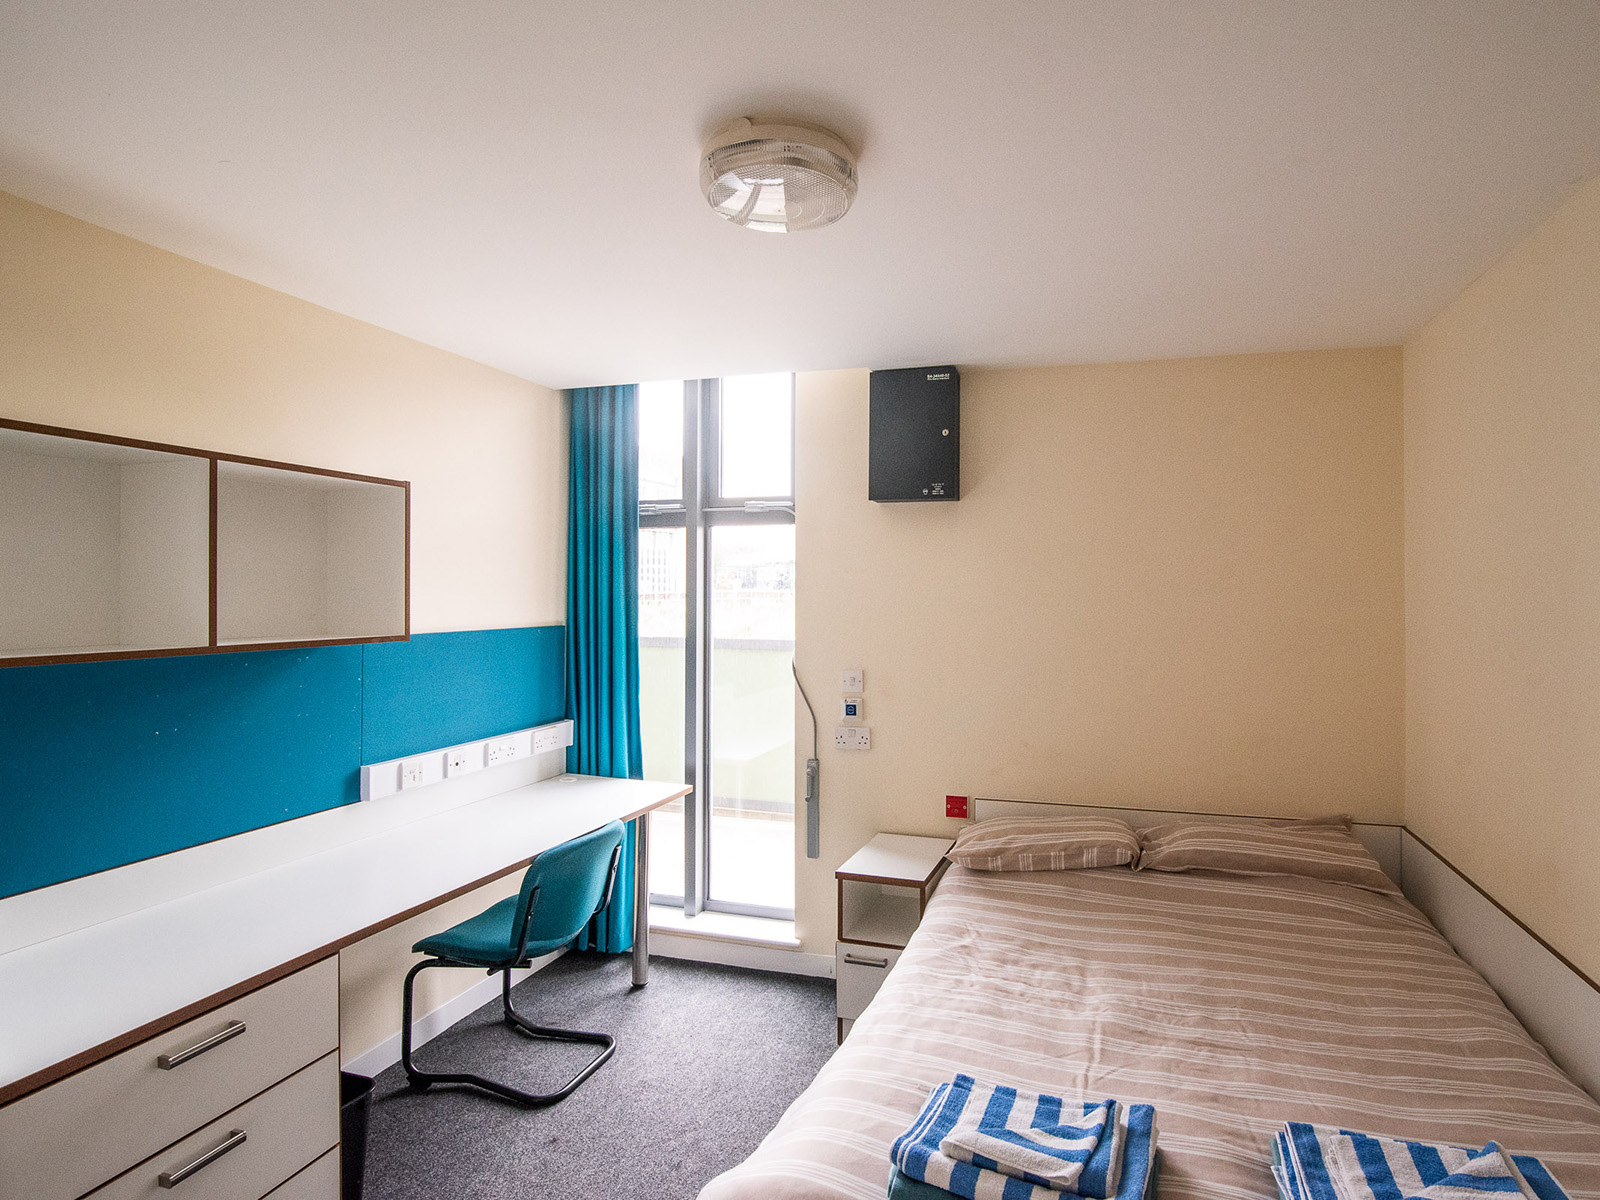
(355, 1098)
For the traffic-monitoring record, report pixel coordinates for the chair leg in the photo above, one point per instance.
(417, 1079)
(420, 1079)
(518, 1021)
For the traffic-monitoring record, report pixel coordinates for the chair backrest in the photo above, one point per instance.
(570, 880)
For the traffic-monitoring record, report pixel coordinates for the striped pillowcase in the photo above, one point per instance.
(1065, 843)
(1316, 849)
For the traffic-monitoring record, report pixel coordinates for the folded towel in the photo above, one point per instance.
(917, 1155)
(903, 1187)
(1319, 1162)
(1025, 1135)
(1283, 1168)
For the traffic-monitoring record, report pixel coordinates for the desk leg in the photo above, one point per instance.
(641, 900)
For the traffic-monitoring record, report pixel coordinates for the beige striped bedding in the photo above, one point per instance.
(1064, 843)
(1230, 1003)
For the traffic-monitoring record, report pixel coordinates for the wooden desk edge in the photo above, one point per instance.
(88, 1058)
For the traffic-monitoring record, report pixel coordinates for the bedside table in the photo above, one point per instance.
(883, 892)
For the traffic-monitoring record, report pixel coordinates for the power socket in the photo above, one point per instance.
(499, 750)
(852, 737)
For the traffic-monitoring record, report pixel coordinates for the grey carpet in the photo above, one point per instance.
(707, 1060)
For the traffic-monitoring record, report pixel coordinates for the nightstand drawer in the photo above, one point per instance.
(64, 1139)
(858, 973)
(244, 1154)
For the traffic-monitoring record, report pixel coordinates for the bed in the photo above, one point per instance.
(1231, 1003)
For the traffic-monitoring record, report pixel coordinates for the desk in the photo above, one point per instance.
(95, 965)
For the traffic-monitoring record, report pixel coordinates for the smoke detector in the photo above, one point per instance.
(777, 178)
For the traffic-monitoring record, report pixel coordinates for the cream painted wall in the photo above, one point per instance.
(1168, 584)
(100, 332)
(104, 333)
(1502, 438)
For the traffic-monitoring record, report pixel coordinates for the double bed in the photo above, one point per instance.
(1232, 1003)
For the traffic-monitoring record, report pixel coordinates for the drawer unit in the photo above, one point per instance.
(858, 972)
(883, 892)
(61, 1141)
(244, 1154)
(319, 1181)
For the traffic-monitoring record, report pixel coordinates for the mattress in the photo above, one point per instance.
(1230, 1003)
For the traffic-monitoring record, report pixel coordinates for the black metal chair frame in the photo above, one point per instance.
(422, 1080)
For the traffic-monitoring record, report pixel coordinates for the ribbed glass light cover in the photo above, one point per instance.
(778, 186)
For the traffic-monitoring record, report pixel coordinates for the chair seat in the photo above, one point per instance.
(483, 940)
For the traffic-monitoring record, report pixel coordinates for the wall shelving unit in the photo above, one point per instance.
(116, 548)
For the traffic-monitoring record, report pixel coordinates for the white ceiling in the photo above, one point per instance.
(1063, 181)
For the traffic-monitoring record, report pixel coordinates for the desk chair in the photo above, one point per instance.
(564, 887)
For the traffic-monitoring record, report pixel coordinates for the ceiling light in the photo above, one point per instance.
(777, 177)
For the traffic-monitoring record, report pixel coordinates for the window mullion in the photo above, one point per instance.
(707, 440)
(696, 812)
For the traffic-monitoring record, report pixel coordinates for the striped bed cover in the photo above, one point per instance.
(1232, 1004)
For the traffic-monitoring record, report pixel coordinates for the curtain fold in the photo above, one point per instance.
(603, 617)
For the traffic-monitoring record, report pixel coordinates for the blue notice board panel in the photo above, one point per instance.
(443, 688)
(112, 762)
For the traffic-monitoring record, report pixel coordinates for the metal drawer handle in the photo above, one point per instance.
(231, 1030)
(171, 1179)
(856, 960)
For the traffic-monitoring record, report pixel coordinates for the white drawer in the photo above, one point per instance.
(319, 1181)
(272, 1137)
(64, 1139)
(858, 973)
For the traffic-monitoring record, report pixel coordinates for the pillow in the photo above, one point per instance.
(1063, 843)
(1317, 849)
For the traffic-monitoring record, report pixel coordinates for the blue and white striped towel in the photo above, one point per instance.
(917, 1155)
(1319, 1162)
(1024, 1135)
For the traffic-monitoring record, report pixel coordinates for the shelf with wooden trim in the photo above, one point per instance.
(118, 548)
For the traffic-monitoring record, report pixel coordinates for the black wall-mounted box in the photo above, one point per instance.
(914, 439)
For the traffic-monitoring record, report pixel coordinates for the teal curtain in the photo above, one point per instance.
(603, 617)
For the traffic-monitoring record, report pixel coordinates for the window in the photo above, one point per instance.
(716, 638)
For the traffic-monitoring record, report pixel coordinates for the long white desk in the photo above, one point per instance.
(94, 965)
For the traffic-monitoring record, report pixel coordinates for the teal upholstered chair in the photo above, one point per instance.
(563, 888)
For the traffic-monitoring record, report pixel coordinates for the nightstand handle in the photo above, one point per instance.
(855, 960)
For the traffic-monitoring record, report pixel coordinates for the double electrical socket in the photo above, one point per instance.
(507, 749)
(852, 737)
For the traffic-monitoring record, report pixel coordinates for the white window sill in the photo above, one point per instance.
(724, 927)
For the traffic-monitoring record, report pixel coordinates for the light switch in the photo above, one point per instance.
(851, 681)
